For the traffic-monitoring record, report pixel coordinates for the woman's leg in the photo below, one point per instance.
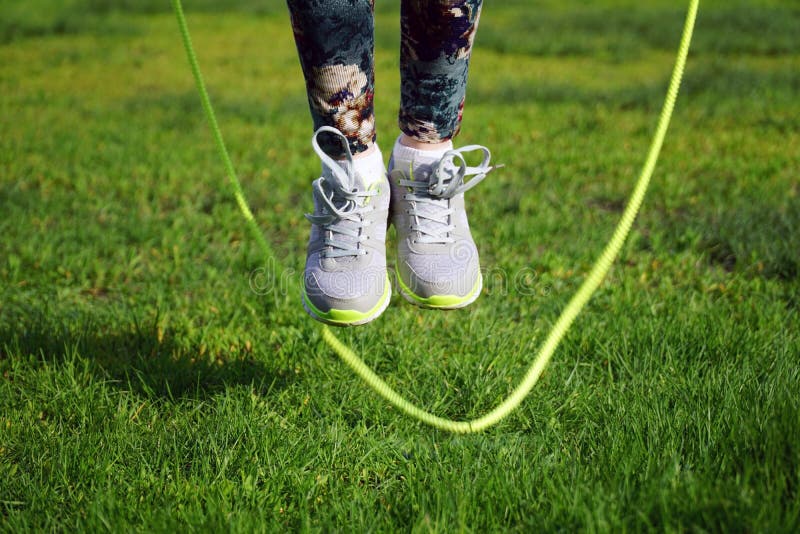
(437, 38)
(345, 280)
(437, 260)
(335, 42)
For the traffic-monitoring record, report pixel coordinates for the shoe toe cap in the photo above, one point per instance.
(428, 276)
(344, 290)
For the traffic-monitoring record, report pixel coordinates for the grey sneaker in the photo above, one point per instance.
(345, 281)
(437, 261)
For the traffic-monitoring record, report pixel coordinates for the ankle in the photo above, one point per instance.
(411, 142)
(368, 164)
(365, 153)
(416, 156)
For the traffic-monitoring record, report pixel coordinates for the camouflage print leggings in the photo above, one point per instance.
(335, 43)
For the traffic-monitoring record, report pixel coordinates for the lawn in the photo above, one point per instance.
(156, 374)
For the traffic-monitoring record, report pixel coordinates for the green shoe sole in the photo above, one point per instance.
(440, 302)
(336, 317)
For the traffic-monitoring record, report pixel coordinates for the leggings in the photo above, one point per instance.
(335, 42)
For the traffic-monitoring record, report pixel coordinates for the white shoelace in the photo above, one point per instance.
(343, 203)
(430, 193)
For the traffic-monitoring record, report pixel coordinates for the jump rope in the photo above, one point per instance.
(568, 315)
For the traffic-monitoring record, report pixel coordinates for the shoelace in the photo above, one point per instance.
(435, 191)
(343, 204)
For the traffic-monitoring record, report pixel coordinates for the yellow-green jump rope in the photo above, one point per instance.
(568, 315)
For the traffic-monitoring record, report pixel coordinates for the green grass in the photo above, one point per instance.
(145, 384)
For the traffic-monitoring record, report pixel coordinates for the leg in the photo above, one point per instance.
(345, 280)
(335, 43)
(437, 38)
(437, 260)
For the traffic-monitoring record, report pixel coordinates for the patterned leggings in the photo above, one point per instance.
(335, 41)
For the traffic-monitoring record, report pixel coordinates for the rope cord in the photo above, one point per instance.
(568, 315)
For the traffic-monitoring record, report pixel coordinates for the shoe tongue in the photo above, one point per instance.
(343, 178)
(434, 211)
(339, 176)
(434, 207)
(360, 180)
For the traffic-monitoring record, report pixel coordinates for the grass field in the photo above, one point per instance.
(151, 378)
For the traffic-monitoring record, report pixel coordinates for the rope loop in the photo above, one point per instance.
(568, 315)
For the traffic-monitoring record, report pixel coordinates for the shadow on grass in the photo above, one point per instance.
(137, 358)
(752, 235)
(755, 241)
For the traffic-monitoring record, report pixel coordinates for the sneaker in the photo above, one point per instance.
(345, 281)
(437, 260)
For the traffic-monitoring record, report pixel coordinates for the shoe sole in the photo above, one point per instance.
(335, 317)
(440, 302)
